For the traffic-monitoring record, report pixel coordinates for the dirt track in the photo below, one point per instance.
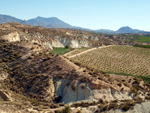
(89, 50)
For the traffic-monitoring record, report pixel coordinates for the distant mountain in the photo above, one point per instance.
(52, 22)
(107, 31)
(121, 31)
(6, 18)
(128, 30)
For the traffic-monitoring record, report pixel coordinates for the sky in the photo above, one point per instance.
(93, 14)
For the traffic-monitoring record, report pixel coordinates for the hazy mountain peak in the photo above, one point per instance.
(7, 18)
(50, 22)
(127, 29)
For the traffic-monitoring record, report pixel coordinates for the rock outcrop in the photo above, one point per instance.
(45, 44)
(72, 91)
(56, 43)
(12, 37)
(74, 43)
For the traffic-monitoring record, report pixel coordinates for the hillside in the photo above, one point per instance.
(43, 79)
(33, 79)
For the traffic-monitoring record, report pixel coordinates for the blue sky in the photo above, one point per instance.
(94, 14)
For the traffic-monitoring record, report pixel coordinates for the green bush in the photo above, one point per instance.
(143, 46)
(67, 109)
(67, 46)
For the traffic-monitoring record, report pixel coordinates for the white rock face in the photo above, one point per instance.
(56, 44)
(12, 37)
(78, 43)
(47, 45)
(74, 43)
(82, 92)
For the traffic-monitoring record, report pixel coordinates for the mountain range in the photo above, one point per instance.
(54, 22)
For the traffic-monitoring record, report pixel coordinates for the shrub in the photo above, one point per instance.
(79, 111)
(58, 99)
(73, 86)
(147, 97)
(82, 86)
(142, 46)
(133, 90)
(67, 46)
(83, 79)
(67, 109)
(68, 83)
(127, 106)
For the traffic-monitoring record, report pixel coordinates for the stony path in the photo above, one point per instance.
(89, 50)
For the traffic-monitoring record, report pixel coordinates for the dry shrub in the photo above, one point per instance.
(83, 86)
(73, 86)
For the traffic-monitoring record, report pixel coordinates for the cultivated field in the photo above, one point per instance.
(142, 38)
(117, 59)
